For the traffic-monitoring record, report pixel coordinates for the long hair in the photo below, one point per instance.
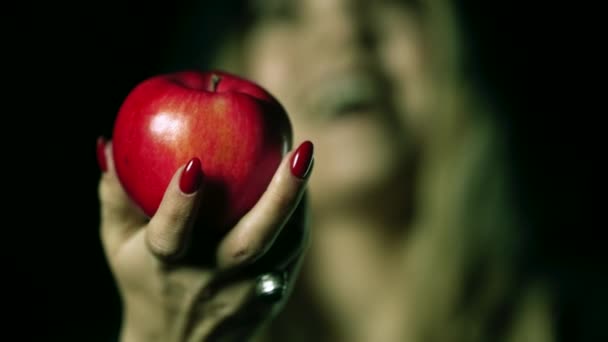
(469, 253)
(469, 258)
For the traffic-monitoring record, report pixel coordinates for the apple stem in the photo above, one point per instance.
(215, 80)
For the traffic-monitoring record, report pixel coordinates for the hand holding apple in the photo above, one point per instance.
(152, 259)
(238, 130)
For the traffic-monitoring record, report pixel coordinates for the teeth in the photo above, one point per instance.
(348, 93)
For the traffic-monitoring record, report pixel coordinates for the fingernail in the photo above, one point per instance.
(301, 160)
(101, 154)
(191, 177)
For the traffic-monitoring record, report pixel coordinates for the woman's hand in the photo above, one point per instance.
(171, 293)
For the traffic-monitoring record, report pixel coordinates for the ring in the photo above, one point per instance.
(271, 286)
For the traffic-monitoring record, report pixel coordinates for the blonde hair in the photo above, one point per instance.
(465, 264)
(467, 245)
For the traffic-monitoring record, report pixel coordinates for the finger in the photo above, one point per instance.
(289, 248)
(119, 216)
(168, 232)
(256, 231)
(290, 243)
(260, 304)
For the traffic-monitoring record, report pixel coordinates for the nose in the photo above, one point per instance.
(343, 24)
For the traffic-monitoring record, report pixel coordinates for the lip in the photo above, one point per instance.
(354, 91)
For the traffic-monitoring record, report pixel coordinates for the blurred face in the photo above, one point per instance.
(351, 75)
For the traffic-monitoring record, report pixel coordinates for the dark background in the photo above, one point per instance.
(67, 68)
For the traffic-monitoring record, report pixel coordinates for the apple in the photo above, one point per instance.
(238, 130)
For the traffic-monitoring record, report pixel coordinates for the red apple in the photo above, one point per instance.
(238, 130)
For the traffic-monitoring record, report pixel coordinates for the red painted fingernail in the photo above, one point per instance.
(101, 154)
(191, 177)
(301, 160)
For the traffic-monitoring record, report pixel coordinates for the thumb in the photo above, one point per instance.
(120, 218)
(168, 231)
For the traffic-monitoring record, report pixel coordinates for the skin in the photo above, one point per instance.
(304, 51)
(354, 78)
(365, 155)
(366, 141)
(166, 296)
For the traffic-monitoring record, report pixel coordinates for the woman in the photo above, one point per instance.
(412, 226)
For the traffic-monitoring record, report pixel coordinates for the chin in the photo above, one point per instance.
(355, 163)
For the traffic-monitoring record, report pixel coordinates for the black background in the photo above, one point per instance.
(68, 66)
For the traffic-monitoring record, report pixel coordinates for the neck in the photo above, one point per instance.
(386, 207)
(354, 250)
(352, 278)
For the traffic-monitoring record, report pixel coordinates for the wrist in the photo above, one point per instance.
(144, 324)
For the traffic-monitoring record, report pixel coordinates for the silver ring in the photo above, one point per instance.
(271, 286)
